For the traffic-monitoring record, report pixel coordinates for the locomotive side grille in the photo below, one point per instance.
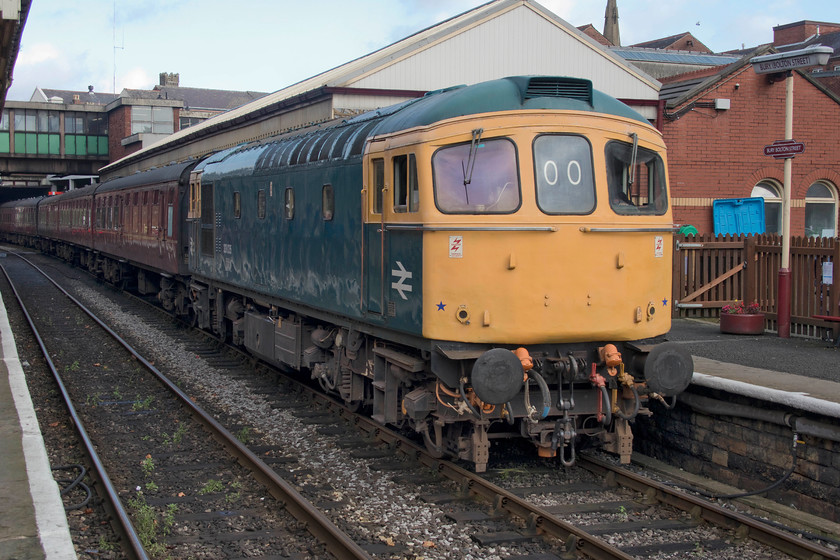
(569, 88)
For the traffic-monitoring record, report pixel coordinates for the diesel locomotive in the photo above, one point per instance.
(487, 261)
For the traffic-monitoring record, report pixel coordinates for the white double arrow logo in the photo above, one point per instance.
(402, 275)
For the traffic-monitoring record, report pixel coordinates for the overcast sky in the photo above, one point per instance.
(266, 45)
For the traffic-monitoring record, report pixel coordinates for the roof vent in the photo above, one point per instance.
(569, 88)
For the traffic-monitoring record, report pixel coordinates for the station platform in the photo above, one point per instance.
(803, 373)
(33, 524)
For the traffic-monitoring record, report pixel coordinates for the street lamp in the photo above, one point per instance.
(785, 63)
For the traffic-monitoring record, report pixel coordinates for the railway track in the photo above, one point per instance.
(549, 516)
(200, 496)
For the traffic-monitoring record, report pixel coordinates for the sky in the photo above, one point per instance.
(266, 45)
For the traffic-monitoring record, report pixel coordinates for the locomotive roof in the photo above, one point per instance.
(167, 173)
(346, 138)
(507, 94)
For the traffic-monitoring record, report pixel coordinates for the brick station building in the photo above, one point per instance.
(717, 122)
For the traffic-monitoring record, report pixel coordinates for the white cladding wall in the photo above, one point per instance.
(497, 48)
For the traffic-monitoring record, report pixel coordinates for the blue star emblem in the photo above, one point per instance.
(665, 302)
(441, 306)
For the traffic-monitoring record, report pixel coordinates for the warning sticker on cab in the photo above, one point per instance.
(456, 247)
(658, 246)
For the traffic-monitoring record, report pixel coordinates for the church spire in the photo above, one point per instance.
(611, 23)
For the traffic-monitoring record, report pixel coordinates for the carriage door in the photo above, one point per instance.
(374, 239)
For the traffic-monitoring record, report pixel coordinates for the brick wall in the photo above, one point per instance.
(715, 154)
(799, 31)
(119, 127)
(746, 454)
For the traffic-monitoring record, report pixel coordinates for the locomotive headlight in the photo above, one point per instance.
(497, 376)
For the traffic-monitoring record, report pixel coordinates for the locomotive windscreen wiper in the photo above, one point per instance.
(470, 164)
(635, 138)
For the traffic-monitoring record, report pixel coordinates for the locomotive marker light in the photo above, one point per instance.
(785, 63)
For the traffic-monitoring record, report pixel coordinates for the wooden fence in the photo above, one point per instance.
(711, 271)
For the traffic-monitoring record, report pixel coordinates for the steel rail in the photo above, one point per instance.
(537, 519)
(744, 525)
(318, 524)
(114, 505)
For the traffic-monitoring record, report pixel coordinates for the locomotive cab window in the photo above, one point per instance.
(477, 177)
(564, 177)
(194, 212)
(406, 193)
(378, 185)
(636, 180)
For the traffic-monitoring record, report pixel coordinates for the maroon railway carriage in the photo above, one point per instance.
(137, 232)
(18, 221)
(64, 223)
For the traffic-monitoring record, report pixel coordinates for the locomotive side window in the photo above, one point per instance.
(378, 185)
(327, 203)
(289, 203)
(261, 204)
(195, 196)
(406, 195)
(479, 177)
(237, 205)
(564, 178)
(636, 179)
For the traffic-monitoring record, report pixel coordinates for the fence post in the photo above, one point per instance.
(834, 289)
(676, 276)
(751, 270)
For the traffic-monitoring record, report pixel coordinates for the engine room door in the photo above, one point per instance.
(374, 240)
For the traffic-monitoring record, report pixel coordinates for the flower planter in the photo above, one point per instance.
(743, 323)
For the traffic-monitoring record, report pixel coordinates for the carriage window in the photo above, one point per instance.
(378, 184)
(564, 178)
(261, 204)
(237, 205)
(327, 203)
(479, 177)
(406, 194)
(289, 203)
(636, 180)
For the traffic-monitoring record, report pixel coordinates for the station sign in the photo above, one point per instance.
(790, 60)
(782, 149)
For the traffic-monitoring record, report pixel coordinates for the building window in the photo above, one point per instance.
(772, 205)
(186, 122)
(155, 120)
(820, 211)
(237, 205)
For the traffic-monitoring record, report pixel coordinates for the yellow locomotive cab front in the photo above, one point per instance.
(570, 242)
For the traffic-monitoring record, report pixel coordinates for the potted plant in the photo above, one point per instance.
(741, 318)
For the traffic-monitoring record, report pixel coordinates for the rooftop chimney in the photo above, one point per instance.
(611, 23)
(169, 79)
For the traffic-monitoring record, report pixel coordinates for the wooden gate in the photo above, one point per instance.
(711, 271)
